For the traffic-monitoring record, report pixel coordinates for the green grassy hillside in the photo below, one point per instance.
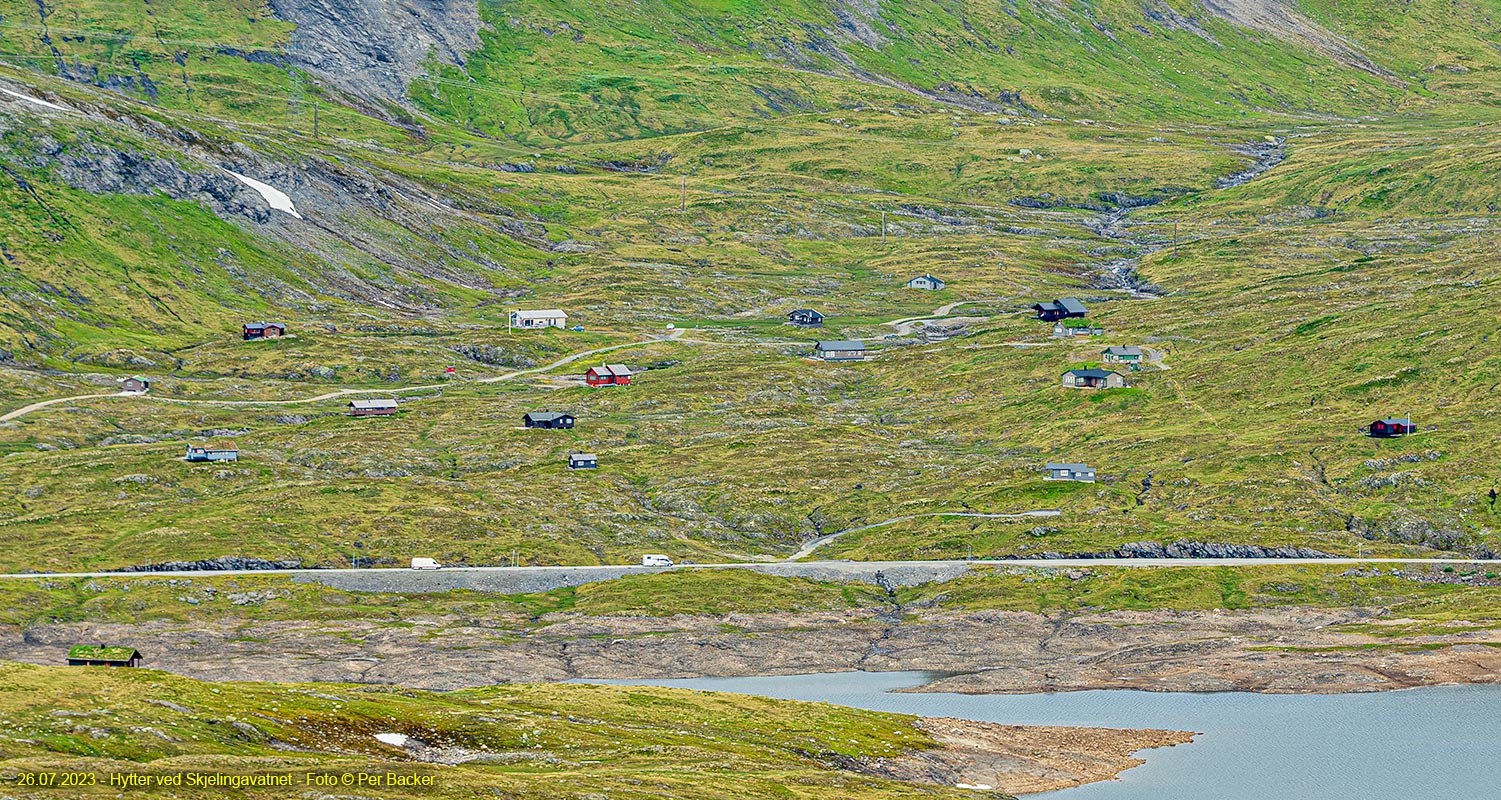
(520, 741)
(713, 166)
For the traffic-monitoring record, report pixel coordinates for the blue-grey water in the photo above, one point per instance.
(1441, 743)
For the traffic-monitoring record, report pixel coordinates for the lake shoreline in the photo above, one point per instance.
(1025, 759)
(1274, 651)
(1249, 746)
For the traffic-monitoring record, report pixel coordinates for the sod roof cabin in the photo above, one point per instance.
(1065, 308)
(1063, 330)
(91, 655)
(1392, 427)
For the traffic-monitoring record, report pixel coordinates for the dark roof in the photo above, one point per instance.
(805, 312)
(545, 416)
(1071, 305)
(932, 278)
(1127, 350)
(1069, 467)
(841, 346)
(1397, 421)
(89, 652)
(254, 325)
(1092, 373)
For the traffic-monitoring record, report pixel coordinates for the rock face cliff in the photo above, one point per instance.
(373, 48)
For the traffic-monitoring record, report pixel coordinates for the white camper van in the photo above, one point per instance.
(425, 563)
(655, 560)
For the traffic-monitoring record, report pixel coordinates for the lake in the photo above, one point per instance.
(1441, 743)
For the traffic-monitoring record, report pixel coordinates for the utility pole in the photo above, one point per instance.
(1175, 238)
(315, 119)
(684, 205)
(883, 227)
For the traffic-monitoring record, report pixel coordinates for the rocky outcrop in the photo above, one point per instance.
(374, 48)
(1193, 550)
(218, 564)
(1281, 19)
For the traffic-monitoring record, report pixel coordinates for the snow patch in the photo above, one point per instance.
(984, 787)
(274, 196)
(397, 739)
(30, 99)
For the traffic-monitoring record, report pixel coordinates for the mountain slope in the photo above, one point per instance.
(1287, 204)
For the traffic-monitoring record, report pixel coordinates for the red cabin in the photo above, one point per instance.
(1391, 428)
(608, 375)
(264, 330)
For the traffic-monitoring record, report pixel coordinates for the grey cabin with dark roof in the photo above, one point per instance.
(1070, 472)
(839, 351)
(372, 408)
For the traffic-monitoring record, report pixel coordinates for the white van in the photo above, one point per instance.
(655, 560)
(425, 563)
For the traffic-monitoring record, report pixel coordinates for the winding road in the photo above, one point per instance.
(24, 410)
(420, 580)
(903, 326)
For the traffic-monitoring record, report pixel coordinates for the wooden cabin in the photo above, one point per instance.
(372, 408)
(1063, 331)
(608, 375)
(1094, 379)
(839, 351)
(221, 451)
(927, 283)
(1129, 354)
(264, 330)
(547, 318)
(135, 384)
(583, 461)
(1392, 428)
